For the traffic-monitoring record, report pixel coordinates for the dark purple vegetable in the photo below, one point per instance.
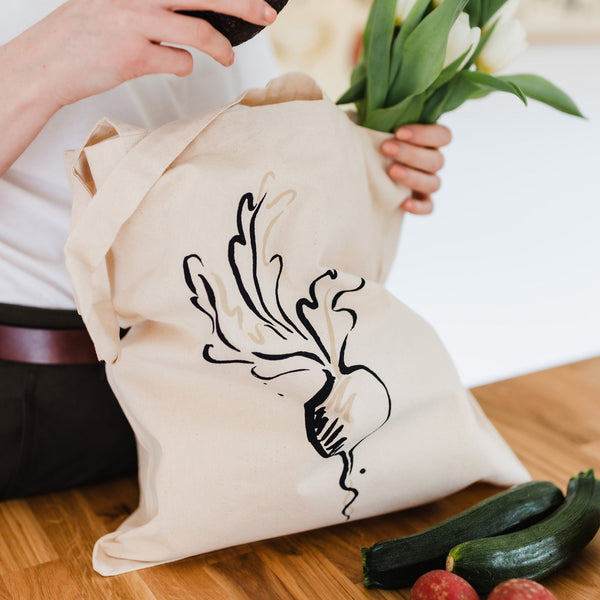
(236, 30)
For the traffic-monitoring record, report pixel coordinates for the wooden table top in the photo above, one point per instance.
(551, 419)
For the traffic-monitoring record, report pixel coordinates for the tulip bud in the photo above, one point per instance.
(403, 8)
(462, 37)
(507, 42)
(505, 13)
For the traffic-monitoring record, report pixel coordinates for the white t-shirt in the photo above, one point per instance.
(35, 202)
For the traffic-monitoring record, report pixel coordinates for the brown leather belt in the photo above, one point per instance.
(46, 346)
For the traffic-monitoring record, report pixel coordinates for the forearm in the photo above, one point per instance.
(25, 106)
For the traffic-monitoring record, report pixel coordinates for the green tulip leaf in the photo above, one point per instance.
(361, 110)
(425, 49)
(412, 20)
(449, 97)
(378, 51)
(358, 86)
(390, 118)
(354, 93)
(443, 90)
(368, 30)
(450, 71)
(473, 9)
(542, 90)
(494, 83)
(358, 72)
(488, 9)
(435, 104)
(466, 85)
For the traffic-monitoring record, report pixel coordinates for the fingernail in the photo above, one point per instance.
(231, 58)
(403, 134)
(270, 14)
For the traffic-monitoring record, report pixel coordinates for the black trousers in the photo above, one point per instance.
(60, 426)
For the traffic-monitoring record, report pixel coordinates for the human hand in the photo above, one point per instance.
(416, 155)
(86, 47)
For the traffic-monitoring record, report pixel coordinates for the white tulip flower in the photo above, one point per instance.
(505, 13)
(403, 8)
(462, 37)
(507, 42)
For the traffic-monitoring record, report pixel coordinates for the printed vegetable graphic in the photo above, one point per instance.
(352, 402)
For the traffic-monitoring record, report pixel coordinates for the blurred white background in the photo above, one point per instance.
(506, 269)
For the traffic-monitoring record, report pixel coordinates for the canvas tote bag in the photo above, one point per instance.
(272, 382)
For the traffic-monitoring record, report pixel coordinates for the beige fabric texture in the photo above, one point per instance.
(272, 382)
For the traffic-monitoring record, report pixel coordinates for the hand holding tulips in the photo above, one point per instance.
(423, 58)
(415, 161)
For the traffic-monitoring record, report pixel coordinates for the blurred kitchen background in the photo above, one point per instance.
(506, 269)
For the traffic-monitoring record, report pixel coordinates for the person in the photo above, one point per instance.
(64, 66)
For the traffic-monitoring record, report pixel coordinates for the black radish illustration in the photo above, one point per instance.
(352, 402)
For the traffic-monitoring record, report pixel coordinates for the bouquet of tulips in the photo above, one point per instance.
(423, 58)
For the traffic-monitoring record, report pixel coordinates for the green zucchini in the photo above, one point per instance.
(538, 550)
(399, 562)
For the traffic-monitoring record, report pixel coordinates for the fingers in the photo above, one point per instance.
(418, 204)
(418, 181)
(165, 59)
(417, 159)
(430, 136)
(170, 28)
(425, 159)
(167, 27)
(253, 11)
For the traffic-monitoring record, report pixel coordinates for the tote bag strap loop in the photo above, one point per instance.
(119, 196)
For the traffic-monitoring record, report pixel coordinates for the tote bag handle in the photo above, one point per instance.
(117, 199)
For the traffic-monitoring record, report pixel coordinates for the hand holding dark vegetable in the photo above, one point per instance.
(236, 30)
(85, 47)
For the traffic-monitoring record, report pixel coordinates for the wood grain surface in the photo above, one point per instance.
(550, 418)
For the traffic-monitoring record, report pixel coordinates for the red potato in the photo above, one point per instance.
(442, 585)
(521, 589)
